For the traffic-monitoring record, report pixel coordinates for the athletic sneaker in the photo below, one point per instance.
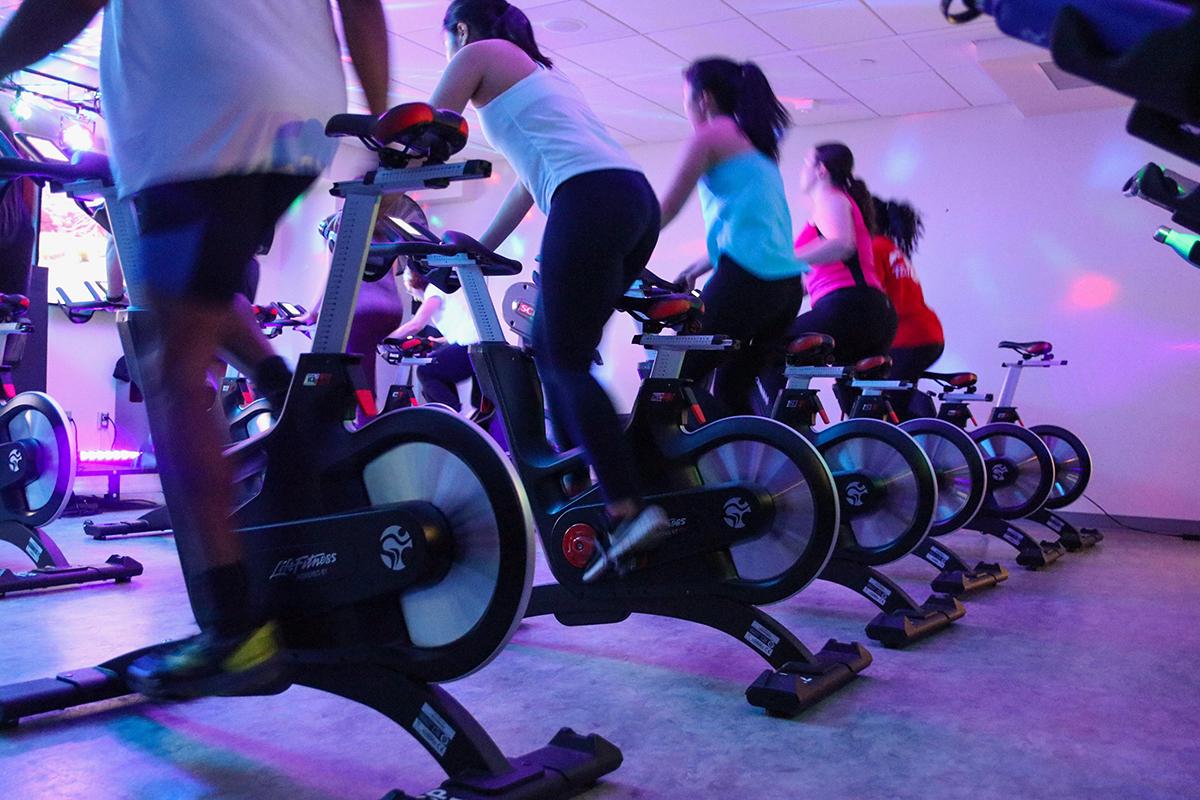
(647, 530)
(210, 664)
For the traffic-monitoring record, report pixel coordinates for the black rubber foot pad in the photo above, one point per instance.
(800, 685)
(569, 765)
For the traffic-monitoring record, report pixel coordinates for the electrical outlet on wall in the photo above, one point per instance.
(103, 420)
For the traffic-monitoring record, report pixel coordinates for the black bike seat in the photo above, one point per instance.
(953, 380)
(810, 349)
(415, 127)
(1029, 348)
(873, 368)
(659, 307)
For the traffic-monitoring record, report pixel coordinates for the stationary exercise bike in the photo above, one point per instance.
(888, 488)
(1072, 461)
(393, 556)
(241, 412)
(751, 503)
(961, 475)
(1020, 471)
(38, 458)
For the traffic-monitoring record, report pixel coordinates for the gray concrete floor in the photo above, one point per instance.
(1075, 682)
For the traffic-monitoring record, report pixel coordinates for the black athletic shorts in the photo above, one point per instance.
(197, 238)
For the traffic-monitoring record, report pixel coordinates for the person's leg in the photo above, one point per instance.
(728, 311)
(771, 306)
(908, 364)
(196, 238)
(589, 234)
(450, 366)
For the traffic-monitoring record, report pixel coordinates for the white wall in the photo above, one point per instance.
(1028, 236)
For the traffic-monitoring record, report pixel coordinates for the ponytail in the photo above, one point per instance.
(496, 19)
(899, 222)
(743, 92)
(838, 161)
(905, 226)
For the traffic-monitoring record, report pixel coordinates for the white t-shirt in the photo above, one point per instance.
(206, 88)
(453, 319)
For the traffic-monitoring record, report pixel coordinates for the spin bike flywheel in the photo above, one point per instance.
(959, 467)
(37, 419)
(1072, 464)
(1020, 469)
(792, 553)
(456, 624)
(887, 488)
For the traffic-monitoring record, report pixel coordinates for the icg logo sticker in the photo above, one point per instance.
(736, 511)
(395, 541)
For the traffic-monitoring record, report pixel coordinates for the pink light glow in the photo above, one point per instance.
(1187, 347)
(109, 456)
(1092, 291)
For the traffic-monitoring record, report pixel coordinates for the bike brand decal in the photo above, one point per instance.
(937, 557)
(317, 378)
(395, 541)
(736, 511)
(662, 397)
(1055, 524)
(1000, 472)
(14, 460)
(876, 591)
(304, 568)
(761, 639)
(436, 732)
(677, 522)
(438, 794)
(856, 493)
(1012, 537)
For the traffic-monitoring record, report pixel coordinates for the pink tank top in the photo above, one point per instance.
(858, 270)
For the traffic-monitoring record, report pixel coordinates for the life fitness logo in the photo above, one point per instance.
(14, 460)
(395, 542)
(999, 472)
(736, 511)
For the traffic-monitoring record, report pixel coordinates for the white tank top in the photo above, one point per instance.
(544, 127)
(207, 88)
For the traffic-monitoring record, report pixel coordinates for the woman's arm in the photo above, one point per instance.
(694, 272)
(460, 81)
(419, 320)
(832, 216)
(365, 31)
(697, 159)
(512, 211)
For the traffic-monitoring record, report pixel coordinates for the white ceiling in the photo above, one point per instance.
(840, 59)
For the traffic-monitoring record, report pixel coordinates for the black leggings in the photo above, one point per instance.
(450, 366)
(755, 312)
(600, 233)
(908, 364)
(861, 321)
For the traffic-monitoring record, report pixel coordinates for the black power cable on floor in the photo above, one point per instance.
(1119, 522)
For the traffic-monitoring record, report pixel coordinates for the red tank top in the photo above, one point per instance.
(858, 270)
(918, 324)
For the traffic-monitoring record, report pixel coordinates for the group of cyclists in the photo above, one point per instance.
(231, 102)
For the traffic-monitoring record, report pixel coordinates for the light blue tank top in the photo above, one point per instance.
(747, 217)
(545, 129)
